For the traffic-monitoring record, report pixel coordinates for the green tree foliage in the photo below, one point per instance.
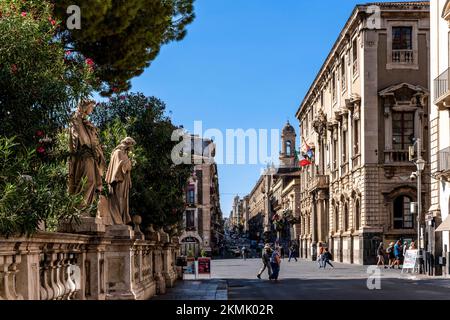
(39, 81)
(157, 191)
(123, 37)
(33, 190)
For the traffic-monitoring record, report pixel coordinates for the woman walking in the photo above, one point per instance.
(275, 261)
(380, 254)
(326, 257)
(391, 255)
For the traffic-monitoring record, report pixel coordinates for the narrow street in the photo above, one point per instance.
(303, 280)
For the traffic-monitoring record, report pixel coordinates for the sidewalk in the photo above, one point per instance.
(197, 290)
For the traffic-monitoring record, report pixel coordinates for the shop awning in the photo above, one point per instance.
(444, 226)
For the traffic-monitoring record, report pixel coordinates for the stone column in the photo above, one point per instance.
(27, 279)
(96, 271)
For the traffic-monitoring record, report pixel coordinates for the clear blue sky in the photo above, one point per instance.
(244, 64)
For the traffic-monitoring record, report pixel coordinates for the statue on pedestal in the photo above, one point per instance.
(87, 162)
(118, 178)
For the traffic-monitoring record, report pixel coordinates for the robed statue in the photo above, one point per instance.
(87, 162)
(118, 178)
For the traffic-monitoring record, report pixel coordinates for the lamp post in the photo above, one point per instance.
(420, 164)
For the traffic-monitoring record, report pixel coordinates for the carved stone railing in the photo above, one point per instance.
(392, 156)
(403, 56)
(63, 266)
(47, 266)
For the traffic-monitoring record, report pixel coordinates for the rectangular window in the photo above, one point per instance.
(401, 38)
(402, 45)
(191, 194)
(356, 137)
(333, 86)
(321, 98)
(344, 146)
(190, 219)
(355, 56)
(343, 78)
(402, 130)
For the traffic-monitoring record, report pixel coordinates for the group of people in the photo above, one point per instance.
(394, 253)
(324, 256)
(271, 260)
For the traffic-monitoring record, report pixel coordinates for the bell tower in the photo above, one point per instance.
(288, 140)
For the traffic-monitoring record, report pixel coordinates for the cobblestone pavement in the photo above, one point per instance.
(235, 279)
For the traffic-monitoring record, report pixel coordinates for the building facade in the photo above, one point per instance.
(364, 109)
(202, 219)
(440, 130)
(276, 194)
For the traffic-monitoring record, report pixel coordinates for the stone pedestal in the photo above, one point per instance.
(158, 272)
(169, 273)
(120, 231)
(88, 225)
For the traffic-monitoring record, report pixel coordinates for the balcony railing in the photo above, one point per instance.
(391, 156)
(320, 182)
(403, 56)
(444, 160)
(441, 85)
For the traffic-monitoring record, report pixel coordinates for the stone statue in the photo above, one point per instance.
(87, 162)
(118, 178)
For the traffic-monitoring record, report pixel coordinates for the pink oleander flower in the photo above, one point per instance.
(68, 52)
(23, 14)
(89, 62)
(40, 150)
(39, 133)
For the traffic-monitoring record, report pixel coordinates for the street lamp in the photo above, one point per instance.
(420, 165)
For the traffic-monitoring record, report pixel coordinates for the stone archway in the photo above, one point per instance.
(190, 244)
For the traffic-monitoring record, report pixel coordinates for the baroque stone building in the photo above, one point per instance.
(276, 193)
(362, 112)
(202, 219)
(440, 132)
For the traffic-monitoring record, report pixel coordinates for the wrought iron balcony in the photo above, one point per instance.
(442, 89)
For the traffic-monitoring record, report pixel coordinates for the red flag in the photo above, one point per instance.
(304, 162)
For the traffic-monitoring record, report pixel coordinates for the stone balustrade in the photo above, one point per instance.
(65, 266)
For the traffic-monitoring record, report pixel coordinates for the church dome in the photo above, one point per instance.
(288, 128)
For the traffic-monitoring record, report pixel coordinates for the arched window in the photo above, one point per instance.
(336, 218)
(357, 214)
(403, 218)
(288, 148)
(345, 217)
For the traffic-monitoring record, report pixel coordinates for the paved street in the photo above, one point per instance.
(303, 280)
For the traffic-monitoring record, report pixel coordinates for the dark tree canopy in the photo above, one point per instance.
(123, 37)
(158, 184)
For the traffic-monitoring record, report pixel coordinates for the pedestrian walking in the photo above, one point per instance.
(319, 255)
(398, 254)
(380, 255)
(243, 252)
(292, 253)
(275, 261)
(265, 257)
(391, 255)
(405, 247)
(326, 257)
